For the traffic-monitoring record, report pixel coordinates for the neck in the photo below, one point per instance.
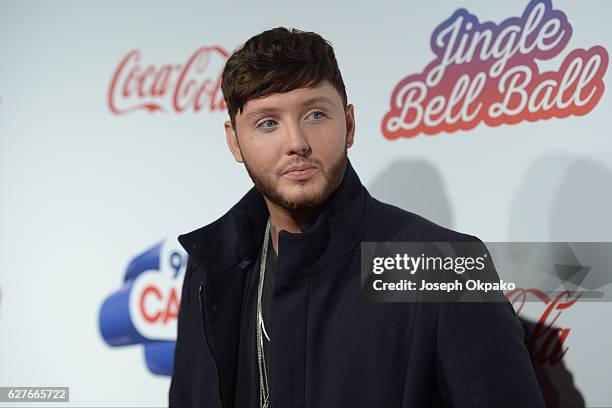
(288, 220)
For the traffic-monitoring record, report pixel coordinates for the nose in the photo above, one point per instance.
(297, 142)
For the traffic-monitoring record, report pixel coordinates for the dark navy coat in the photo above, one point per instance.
(328, 347)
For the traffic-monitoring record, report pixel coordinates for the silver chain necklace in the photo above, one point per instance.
(264, 393)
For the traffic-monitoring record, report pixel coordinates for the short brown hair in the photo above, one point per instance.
(276, 61)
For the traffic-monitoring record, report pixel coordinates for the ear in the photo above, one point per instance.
(232, 141)
(350, 125)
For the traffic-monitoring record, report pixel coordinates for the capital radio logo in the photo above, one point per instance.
(144, 310)
(487, 72)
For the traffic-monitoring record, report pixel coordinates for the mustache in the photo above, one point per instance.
(298, 162)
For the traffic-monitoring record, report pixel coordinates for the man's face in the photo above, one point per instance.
(294, 144)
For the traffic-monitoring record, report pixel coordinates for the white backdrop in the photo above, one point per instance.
(83, 190)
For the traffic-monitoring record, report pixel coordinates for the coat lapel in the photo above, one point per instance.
(224, 250)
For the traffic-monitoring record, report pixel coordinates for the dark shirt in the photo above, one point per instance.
(247, 377)
(332, 349)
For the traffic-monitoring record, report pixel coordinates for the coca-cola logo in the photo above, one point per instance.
(546, 340)
(192, 86)
(487, 72)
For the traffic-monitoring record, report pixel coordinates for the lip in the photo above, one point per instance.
(301, 172)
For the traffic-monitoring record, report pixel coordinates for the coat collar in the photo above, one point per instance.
(234, 240)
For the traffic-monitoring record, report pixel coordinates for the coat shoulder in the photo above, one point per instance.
(392, 223)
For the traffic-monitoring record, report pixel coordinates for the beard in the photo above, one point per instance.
(332, 176)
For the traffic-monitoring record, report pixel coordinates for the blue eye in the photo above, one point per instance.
(321, 114)
(262, 124)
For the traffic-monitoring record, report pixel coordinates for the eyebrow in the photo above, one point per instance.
(271, 110)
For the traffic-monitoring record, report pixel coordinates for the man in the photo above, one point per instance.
(271, 312)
